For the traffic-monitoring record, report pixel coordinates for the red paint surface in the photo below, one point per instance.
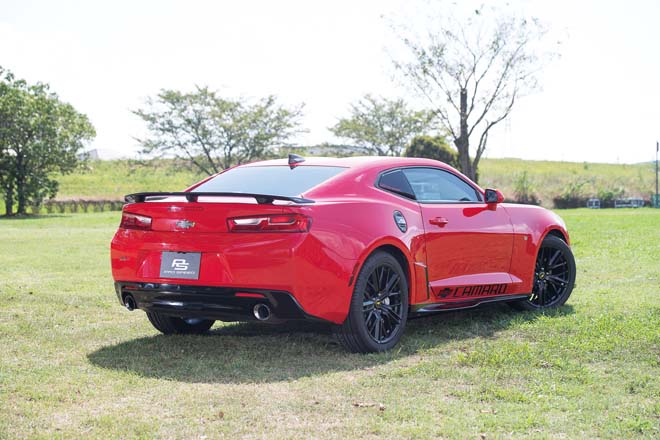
(459, 244)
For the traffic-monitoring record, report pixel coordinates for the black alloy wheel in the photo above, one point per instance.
(379, 306)
(554, 276)
(382, 303)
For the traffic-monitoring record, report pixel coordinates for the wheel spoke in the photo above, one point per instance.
(379, 323)
(392, 315)
(555, 279)
(372, 282)
(553, 258)
(541, 293)
(560, 264)
(390, 295)
(373, 292)
(379, 277)
(543, 257)
(391, 281)
(555, 284)
(555, 289)
(371, 322)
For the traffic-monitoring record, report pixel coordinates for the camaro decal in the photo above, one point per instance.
(468, 291)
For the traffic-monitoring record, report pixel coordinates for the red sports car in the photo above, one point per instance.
(362, 243)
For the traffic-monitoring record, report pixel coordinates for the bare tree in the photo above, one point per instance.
(472, 71)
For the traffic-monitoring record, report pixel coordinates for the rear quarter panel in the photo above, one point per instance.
(353, 218)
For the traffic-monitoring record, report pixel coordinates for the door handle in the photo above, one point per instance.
(439, 221)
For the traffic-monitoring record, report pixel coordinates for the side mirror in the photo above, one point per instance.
(494, 196)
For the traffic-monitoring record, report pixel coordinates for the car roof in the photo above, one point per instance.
(361, 164)
(356, 162)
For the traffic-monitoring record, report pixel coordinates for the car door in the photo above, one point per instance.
(468, 242)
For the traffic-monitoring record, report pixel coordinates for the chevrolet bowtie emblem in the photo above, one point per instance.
(185, 224)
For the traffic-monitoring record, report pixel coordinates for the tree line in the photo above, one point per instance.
(39, 135)
(469, 71)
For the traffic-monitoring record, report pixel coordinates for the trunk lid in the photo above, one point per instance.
(206, 215)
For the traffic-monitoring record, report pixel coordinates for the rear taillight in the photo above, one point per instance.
(270, 223)
(134, 221)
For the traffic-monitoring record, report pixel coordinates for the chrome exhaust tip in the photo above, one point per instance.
(129, 302)
(261, 312)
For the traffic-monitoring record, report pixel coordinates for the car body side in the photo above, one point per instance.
(351, 218)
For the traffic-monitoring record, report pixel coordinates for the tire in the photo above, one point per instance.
(554, 276)
(171, 325)
(376, 322)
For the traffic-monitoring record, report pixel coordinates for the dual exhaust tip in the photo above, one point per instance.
(261, 311)
(129, 302)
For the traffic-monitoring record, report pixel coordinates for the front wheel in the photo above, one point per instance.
(379, 307)
(171, 325)
(554, 276)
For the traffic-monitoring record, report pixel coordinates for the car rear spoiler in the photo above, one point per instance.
(193, 196)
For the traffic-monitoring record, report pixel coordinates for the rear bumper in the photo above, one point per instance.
(300, 265)
(223, 303)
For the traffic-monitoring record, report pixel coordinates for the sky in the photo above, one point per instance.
(599, 102)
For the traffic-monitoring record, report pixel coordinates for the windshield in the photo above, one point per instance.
(273, 180)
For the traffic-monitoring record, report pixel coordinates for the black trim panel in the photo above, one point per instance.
(193, 196)
(424, 309)
(187, 301)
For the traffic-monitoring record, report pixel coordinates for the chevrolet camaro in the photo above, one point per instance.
(362, 243)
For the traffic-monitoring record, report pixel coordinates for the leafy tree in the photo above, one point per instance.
(382, 126)
(472, 71)
(39, 136)
(214, 133)
(432, 148)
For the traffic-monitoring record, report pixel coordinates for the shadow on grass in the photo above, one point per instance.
(261, 353)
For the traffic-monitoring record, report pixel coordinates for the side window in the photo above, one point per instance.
(396, 182)
(435, 185)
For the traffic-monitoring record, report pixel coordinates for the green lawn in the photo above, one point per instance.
(74, 364)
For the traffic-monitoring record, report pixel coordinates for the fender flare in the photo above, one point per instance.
(387, 241)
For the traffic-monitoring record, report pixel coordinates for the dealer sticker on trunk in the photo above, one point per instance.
(180, 265)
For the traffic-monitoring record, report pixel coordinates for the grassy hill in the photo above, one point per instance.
(550, 178)
(113, 179)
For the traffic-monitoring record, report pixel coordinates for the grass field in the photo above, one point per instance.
(74, 364)
(114, 179)
(111, 180)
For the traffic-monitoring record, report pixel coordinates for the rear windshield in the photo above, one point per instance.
(273, 180)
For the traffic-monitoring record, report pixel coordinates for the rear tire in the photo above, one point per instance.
(379, 307)
(171, 325)
(554, 276)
